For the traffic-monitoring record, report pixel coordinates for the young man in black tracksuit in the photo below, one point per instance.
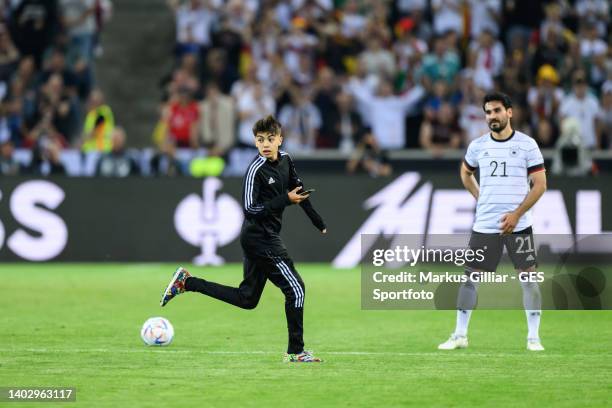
(270, 184)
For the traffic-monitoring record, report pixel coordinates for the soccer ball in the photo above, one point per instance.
(157, 331)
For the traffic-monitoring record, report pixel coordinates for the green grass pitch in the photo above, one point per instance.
(78, 325)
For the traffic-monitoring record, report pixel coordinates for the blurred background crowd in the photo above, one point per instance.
(363, 77)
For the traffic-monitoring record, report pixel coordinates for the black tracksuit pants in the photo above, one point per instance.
(257, 270)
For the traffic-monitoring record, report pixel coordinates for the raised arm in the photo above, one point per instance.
(410, 98)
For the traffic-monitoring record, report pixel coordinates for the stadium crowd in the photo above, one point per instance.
(47, 81)
(361, 76)
(386, 74)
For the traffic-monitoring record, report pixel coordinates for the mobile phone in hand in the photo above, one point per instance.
(306, 192)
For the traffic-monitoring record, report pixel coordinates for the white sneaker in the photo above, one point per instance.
(454, 342)
(534, 345)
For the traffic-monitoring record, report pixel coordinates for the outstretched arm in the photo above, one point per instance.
(411, 97)
(296, 182)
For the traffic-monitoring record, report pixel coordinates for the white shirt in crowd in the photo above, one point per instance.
(489, 59)
(585, 110)
(300, 126)
(599, 9)
(482, 14)
(352, 25)
(73, 10)
(410, 6)
(257, 109)
(590, 48)
(193, 26)
(447, 16)
(504, 178)
(471, 121)
(387, 115)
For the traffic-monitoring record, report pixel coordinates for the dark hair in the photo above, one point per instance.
(269, 124)
(497, 97)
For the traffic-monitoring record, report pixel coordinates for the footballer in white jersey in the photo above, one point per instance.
(512, 179)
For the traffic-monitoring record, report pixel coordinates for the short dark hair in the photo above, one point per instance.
(269, 124)
(497, 97)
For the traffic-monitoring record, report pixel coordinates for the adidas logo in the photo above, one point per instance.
(530, 258)
(271, 181)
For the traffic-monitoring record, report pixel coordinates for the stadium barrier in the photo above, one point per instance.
(199, 220)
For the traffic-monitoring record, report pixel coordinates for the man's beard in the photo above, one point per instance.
(501, 125)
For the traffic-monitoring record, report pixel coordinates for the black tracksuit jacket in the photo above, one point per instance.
(264, 198)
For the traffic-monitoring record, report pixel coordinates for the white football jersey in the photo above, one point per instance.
(504, 168)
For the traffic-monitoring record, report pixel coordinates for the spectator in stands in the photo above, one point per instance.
(251, 106)
(194, 22)
(99, 124)
(551, 51)
(33, 25)
(544, 100)
(443, 63)
(9, 59)
(376, 59)
(301, 121)
(239, 15)
(246, 84)
(447, 16)
(606, 115)
(486, 54)
(165, 163)
(347, 126)
(219, 70)
(55, 116)
(442, 132)
(520, 119)
(513, 81)
(23, 86)
(298, 49)
(56, 64)
(585, 108)
(522, 17)
(117, 162)
(187, 74)
(8, 165)
(370, 158)
(386, 111)
(598, 68)
(409, 49)
(440, 94)
(471, 116)
(485, 15)
(590, 43)
(352, 22)
(10, 121)
(78, 18)
(217, 120)
(325, 92)
(553, 21)
(182, 117)
(227, 38)
(594, 10)
(180, 78)
(46, 159)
